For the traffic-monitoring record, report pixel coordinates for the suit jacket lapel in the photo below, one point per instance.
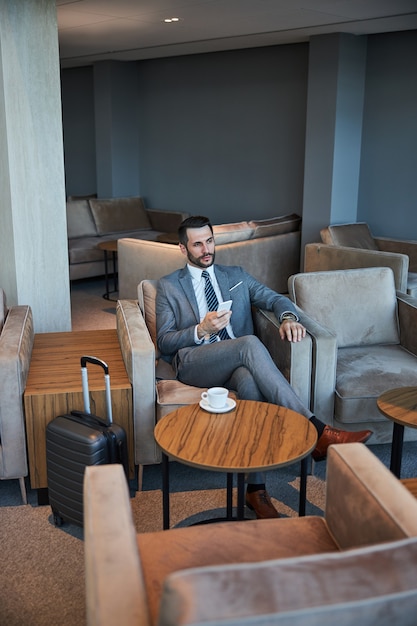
(186, 283)
(223, 280)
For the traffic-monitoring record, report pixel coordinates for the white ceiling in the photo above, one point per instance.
(126, 30)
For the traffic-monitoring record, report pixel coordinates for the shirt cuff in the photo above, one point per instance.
(288, 315)
(196, 338)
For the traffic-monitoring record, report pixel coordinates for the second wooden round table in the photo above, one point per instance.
(400, 406)
(254, 436)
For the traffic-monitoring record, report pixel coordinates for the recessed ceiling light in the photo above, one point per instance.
(168, 20)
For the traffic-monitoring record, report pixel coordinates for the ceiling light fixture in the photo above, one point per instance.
(169, 20)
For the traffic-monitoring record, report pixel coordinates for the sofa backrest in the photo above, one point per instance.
(113, 215)
(92, 217)
(355, 235)
(319, 257)
(271, 259)
(359, 306)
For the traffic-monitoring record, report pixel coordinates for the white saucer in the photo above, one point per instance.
(230, 404)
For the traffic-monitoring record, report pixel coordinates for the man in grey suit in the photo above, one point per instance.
(209, 348)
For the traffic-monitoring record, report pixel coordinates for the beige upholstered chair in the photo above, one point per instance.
(365, 342)
(16, 341)
(321, 257)
(156, 392)
(358, 235)
(354, 565)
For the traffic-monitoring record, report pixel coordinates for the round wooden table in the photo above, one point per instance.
(254, 436)
(400, 406)
(109, 246)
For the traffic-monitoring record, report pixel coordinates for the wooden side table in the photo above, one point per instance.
(400, 406)
(110, 246)
(255, 436)
(54, 387)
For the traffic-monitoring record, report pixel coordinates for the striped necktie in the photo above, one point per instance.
(212, 305)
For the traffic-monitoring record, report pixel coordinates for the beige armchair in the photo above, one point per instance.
(354, 565)
(16, 341)
(364, 343)
(321, 257)
(359, 236)
(156, 392)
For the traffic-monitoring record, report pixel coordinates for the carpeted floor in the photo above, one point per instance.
(89, 310)
(42, 567)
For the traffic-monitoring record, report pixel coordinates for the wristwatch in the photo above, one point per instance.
(288, 316)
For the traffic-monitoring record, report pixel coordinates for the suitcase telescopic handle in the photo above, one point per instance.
(86, 392)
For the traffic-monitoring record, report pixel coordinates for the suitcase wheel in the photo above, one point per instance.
(58, 521)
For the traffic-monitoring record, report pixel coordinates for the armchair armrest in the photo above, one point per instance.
(16, 342)
(323, 370)
(165, 221)
(407, 316)
(402, 246)
(139, 357)
(111, 553)
(365, 503)
(292, 359)
(322, 257)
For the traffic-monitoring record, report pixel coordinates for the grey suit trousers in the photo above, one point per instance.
(243, 365)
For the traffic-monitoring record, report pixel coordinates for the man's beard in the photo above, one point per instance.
(196, 260)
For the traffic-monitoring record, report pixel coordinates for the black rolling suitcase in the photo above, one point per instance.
(76, 440)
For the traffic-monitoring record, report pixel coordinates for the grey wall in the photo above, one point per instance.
(224, 134)
(77, 86)
(388, 178)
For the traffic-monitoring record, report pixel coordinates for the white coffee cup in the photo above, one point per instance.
(216, 397)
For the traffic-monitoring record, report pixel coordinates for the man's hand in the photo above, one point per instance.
(292, 330)
(214, 322)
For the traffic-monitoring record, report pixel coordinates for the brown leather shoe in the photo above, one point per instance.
(260, 502)
(331, 436)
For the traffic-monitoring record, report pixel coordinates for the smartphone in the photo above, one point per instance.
(224, 306)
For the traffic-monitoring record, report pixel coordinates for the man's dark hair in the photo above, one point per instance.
(194, 221)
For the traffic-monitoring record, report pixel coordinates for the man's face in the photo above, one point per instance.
(200, 247)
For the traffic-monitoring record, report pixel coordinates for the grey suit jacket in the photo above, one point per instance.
(177, 309)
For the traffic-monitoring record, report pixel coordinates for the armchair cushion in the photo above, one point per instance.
(368, 586)
(353, 235)
(127, 214)
(362, 376)
(80, 221)
(346, 310)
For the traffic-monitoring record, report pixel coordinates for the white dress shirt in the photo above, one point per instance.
(199, 285)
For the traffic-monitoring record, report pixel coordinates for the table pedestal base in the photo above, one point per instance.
(240, 512)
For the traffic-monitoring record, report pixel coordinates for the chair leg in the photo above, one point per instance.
(140, 477)
(23, 489)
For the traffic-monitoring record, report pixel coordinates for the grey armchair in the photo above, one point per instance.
(156, 391)
(358, 235)
(16, 342)
(321, 257)
(364, 343)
